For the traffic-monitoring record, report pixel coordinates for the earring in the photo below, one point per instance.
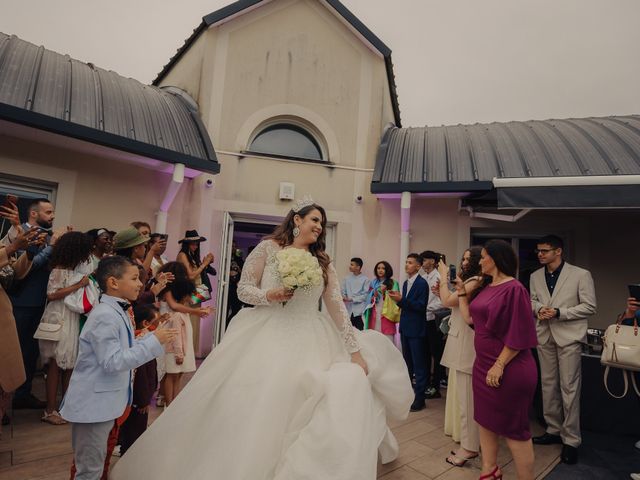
(296, 231)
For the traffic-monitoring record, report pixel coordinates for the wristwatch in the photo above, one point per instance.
(557, 313)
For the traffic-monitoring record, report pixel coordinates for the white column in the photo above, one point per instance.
(405, 221)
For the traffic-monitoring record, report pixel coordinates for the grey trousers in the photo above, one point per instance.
(89, 442)
(561, 374)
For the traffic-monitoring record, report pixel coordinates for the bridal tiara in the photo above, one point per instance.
(306, 201)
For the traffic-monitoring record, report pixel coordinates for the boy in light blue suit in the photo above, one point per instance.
(101, 384)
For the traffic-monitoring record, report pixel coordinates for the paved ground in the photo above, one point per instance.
(30, 449)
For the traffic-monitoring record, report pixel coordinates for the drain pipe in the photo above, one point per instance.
(493, 216)
(176, 182)
(405, 223)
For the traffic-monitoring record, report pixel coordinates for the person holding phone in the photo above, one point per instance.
(563, 297)
(435, 338)
(158, 245)
(30, 296)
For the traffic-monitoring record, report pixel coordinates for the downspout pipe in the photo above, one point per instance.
(177, 180)
(405, 222)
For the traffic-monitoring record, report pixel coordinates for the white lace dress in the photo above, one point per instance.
(279, 398)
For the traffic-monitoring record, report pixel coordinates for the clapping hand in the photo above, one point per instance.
(208, 259)
(162, 280)
(58, 233)
(164, 334)
(395, 295)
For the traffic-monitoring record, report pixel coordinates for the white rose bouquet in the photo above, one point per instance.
(298, 269)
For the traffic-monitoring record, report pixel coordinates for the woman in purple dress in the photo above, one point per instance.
(504, 373)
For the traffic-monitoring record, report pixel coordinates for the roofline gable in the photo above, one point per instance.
(240, 7)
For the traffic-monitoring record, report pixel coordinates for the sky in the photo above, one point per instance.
(455, 61)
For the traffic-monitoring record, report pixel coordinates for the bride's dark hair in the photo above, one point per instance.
(283, 236)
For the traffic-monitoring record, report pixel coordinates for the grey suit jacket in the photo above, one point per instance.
(574, 296)
(101, 382)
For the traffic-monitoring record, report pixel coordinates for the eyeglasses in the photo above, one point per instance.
(544, 251)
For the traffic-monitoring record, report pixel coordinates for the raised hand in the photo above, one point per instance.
(10, 212)
(164, 334)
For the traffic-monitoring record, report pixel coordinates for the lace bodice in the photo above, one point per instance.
(260, 274)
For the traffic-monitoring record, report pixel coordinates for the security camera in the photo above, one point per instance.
(358, 198)
(209, 183)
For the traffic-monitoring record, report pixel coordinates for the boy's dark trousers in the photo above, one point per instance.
(133, 427)
(435, 348)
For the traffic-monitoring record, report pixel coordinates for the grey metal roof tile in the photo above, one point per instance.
(430, 158)
(47, 90)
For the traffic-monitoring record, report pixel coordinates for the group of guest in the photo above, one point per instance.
(370, 306)
(51, 271)
(493, 325)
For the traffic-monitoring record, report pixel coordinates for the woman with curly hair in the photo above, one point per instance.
(70, 259)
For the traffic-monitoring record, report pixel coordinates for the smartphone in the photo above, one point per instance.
(9, 200)
(634, 291)
(164, 236)
(452, 273)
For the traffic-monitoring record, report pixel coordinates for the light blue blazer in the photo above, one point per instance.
(101, 383)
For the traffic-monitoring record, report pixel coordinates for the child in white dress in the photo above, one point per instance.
(70, 263)
(180, 357)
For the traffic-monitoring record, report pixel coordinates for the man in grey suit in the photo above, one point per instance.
(563, 298)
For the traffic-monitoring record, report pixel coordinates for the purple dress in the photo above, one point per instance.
(502, 316)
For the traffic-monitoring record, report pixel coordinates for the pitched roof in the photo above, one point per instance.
(240, 6)
(50, 91)
(466, 158)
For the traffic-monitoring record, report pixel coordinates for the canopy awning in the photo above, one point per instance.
(573, 163)
(622, 191)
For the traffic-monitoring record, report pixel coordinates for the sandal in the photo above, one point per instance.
(458, 461)
(53, 418)
(494, 474)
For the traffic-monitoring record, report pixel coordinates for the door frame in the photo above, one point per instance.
(226, 242)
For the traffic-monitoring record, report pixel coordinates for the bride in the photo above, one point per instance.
(290, 393)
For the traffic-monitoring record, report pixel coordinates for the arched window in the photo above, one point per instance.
(287, 140)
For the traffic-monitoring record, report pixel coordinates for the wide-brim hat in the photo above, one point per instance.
(192, 236)
(127, 238)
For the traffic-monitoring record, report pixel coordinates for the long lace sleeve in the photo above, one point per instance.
(338, 312)
(249, 290)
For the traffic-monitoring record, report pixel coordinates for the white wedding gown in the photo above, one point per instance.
(279, 399)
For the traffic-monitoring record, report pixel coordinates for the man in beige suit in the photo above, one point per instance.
(562, 297)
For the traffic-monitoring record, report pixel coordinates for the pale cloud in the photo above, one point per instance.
(456, 61)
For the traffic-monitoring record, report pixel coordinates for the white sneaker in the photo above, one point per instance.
(637, 445)
(116, 451)
(635, 476)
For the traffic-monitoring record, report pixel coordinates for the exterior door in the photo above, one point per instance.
(223, 278)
